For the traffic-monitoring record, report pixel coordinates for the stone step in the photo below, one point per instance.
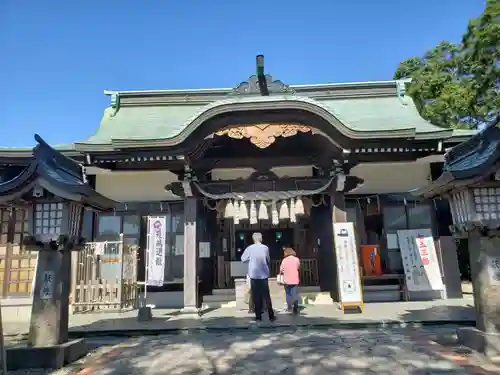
(370, 288)
(223, 292)
(219, 298)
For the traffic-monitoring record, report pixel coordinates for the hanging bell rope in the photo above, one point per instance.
(237, 213)
(274, 214)
(293, 217)
(253, 213)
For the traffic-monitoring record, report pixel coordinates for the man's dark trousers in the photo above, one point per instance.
(261, 295)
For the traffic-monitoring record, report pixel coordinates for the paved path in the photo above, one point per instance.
(459, 310)
(318, 352)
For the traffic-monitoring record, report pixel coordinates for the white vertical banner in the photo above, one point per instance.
(156, 250)
(420, 261)
(347, 264)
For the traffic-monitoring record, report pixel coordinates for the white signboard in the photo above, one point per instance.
(156, 250)
(204, 249)
(493, 266)
(347, 264)
(420, 260)
(48, 281)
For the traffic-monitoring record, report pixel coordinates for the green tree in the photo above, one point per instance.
(457, 85)
(481, 45)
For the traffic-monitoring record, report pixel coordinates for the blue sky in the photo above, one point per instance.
(58, 56)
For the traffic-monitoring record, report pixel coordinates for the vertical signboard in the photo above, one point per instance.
(349, 281)
(420, 262)
(156, 251)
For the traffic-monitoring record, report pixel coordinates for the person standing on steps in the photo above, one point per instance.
(257, 257)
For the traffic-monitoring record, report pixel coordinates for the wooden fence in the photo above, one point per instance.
(104, 277)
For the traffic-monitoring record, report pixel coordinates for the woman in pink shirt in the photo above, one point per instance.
(290, 270)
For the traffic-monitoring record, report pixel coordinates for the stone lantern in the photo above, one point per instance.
(471, 183)
(56, 191)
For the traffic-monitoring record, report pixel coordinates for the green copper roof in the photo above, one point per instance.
(148, 122)
(149, 118)
(360, 110)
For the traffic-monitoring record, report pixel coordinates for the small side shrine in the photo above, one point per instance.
(54, 189)
(471, 183)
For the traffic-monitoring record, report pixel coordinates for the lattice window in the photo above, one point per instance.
(4, 234)
(22, 262)
(487, 203)
(75, 213)
(48, 218)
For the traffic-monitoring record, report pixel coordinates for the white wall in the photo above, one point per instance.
(136, 186)
(150, 185)
(391, 177)
(235, 173)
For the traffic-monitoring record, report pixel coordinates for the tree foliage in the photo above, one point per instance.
(458, 85)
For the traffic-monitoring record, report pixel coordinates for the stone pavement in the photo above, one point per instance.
(378, 351)
(458, 311)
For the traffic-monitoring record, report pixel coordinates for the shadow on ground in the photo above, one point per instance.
(292, 345)
(210, 320)
(439, 314)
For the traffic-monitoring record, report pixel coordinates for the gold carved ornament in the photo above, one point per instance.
(263, 135)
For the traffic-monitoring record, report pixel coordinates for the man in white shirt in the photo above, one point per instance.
(257, 257)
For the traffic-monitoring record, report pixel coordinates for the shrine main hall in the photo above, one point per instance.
(217, 165)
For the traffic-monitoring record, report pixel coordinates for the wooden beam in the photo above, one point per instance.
(257, 163)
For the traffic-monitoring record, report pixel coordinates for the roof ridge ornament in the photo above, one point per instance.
(115, 103)
(251, 87)
(401, 89)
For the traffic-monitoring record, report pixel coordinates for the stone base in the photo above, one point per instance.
(53, 357)
(482, 342)
(191, 312)
(144, 314)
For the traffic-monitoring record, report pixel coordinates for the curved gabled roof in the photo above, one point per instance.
(358, 111)
(57, 174)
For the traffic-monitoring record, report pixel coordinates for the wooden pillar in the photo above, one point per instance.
(190, 257)
(339, 215)
(3, 359)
